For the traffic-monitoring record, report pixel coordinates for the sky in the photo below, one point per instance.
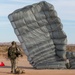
(65, 10)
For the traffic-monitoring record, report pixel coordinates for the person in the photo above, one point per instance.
(67, 62)
(13, 53)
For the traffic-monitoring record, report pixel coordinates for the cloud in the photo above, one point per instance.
(22, 0)
(64, 8)
(26, 1)
(5, 24)
(6, 9)
(64, 2)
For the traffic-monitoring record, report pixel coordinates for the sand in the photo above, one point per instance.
(24, 64)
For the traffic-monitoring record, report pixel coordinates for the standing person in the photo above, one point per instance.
(13, 53)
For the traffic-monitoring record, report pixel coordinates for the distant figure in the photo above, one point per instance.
(13, 53)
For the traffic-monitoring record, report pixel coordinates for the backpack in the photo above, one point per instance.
(13, 52)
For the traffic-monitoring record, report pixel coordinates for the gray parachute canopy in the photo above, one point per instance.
(39, 30)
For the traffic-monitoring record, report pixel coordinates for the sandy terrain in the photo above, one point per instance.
(24, 64)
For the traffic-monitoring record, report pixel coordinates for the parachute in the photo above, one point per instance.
(40, 32)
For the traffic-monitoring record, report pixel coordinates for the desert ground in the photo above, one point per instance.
(24, 64)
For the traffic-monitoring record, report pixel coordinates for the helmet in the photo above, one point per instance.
(13, 43)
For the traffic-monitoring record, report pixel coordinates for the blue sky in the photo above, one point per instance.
(64, 8)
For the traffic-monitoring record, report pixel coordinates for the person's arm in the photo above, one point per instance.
(8, 52)
(19, 51)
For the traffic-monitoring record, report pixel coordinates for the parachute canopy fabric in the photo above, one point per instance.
(39, 30)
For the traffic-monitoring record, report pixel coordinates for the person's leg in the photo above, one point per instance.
(15, 64)
(67, 62)
(12, 70)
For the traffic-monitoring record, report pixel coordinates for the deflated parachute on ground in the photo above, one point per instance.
(39, 30)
